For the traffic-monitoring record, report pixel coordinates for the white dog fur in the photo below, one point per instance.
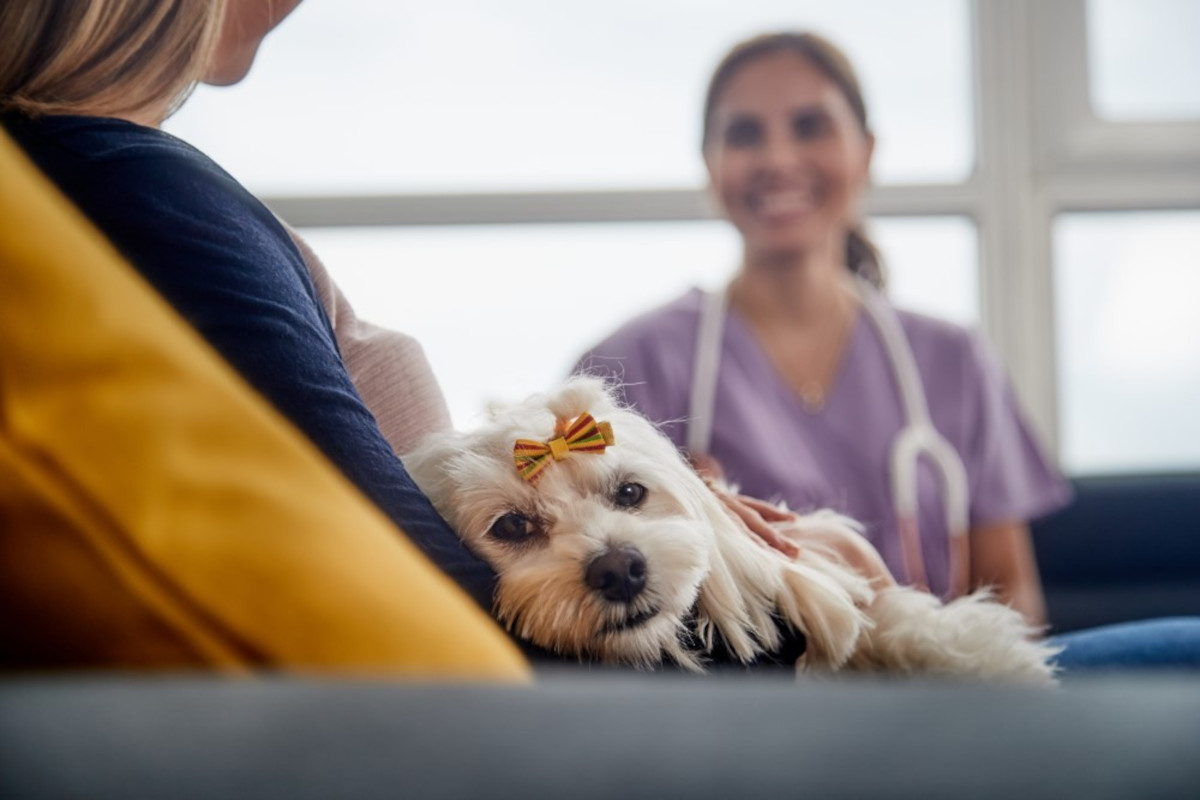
(701, 574)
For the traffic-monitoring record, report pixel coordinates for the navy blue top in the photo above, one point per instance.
(230, 269)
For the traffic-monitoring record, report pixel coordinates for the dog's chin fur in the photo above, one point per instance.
(706, 576)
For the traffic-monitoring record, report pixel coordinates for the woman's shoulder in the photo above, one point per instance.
(668, 323)
(132, 181)
(649, 357)
(927, 326)
(120, 161)
(647, 361)
(96, 139)
(938, 338)
(959, 362)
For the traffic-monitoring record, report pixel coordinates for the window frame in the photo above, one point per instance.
(1040, 151)
(1043, 152)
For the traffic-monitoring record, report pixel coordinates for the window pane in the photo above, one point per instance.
(1128, 340)
(360, 96)
(932, 265)
(498, 308)
(1144, 61)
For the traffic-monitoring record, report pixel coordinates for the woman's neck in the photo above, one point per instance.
(149, 117)
(797, 291)
(802, 313)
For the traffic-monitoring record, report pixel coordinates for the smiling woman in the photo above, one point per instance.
(776, 105)
(799, 396)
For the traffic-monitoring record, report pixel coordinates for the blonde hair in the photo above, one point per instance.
(104, 57)
(861, 254)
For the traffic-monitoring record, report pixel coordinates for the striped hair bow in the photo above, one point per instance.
(583, 435)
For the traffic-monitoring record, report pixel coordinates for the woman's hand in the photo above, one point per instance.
(758, 516)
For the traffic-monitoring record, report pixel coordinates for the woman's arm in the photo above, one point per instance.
(388, 368)
(1002, 557)
(225, 264)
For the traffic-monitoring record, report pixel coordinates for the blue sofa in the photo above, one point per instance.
(1129, 547)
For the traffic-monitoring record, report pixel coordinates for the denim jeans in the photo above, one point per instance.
(1167, 643)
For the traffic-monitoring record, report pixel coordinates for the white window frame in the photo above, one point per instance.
(1043, 152)
(1040, 152)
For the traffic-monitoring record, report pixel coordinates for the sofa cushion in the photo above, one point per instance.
(602, 737)
(155, 512)
(1126, 549)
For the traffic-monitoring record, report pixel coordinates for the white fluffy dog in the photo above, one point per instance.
(609, 546)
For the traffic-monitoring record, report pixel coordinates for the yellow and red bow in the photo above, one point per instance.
(583, 435)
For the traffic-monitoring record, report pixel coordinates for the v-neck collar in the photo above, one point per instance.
(744, 339)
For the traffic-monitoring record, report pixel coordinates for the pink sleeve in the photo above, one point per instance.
(388, 368)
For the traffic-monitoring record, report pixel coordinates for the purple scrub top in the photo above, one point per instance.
(772, 447)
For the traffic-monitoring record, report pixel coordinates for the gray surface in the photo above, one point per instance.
(610, 736)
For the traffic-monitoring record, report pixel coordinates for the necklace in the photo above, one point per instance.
(812, 396)
(814, 390)
(810, 371)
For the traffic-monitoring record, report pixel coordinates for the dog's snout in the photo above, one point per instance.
(619, 573)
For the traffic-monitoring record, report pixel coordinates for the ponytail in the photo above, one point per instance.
(863, 258)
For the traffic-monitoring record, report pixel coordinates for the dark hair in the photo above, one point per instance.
(862, 257)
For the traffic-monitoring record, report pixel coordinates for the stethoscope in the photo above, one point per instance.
(918, 437)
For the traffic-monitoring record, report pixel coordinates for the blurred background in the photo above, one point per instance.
(466, 167)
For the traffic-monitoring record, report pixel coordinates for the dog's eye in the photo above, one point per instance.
(630, 495)
(512, 527)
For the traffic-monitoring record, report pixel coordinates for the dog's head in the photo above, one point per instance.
(602, 550)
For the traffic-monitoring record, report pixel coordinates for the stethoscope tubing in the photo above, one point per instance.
(917, 438)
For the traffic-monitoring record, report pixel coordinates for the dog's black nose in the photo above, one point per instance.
(619, 574)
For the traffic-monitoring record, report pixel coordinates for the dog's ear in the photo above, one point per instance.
(428, 464)
(736, 596)
(581, 394)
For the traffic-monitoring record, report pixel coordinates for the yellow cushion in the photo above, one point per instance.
(155, 512)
